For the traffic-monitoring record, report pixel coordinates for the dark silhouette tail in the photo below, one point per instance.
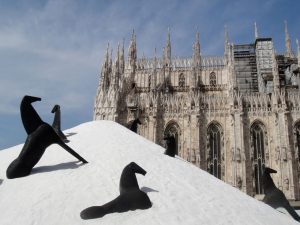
(94, 212)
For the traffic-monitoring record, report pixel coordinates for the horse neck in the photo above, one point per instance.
(268, 182)
(128, 180)
(56, 121)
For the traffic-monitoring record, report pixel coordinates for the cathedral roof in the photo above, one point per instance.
(178, 62)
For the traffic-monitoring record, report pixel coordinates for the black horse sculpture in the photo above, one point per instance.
(275, 197)
(133, 125)
(130, 198)
(56, 123)
(171, 146)
(30, 118)
(40, 136)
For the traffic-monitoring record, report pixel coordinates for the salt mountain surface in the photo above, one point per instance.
(60, 187)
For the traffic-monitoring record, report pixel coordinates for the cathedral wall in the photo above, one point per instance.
(277, 151)
(221, 75)
(218, 102)
(293, 119)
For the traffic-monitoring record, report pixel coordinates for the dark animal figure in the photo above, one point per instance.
(130, 198)
(30, 118)
(56, 123)
(36, 143)
(133, 125)
(275, 197)
(171, 146)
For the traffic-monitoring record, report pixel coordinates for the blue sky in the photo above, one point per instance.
(54, 49)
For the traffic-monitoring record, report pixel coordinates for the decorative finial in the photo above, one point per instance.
(255, 30)
(298, 52)
(107, 53)
(226, 34)
(168, 36)
(288, 46)
(118, 50)
(287, 36)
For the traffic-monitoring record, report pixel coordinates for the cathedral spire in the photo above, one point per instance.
(167, 50)
(288, 46)
(255, 31)
(226, 39)
(298, 52)
(276, 85)
(110, 60)
(109, 70)
(122, 59)
(196, 51)
(106, 61)
(132, 52)
(116, 69)
(105, 69)
(154, 72)
(230, 61)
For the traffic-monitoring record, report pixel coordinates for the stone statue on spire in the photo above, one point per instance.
(196, 51)
(167, 50)
(226, 40)
(288, 46)
(132, 52)
(255, 31)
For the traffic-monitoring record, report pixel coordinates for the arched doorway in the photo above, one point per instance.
(214, 149)
(172, 129)
(258, 138)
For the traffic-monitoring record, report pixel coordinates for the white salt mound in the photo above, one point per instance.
(60, 187)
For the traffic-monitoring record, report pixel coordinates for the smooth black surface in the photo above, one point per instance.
(57, 122)
(30, 118)
(171, 146)
(130, 198)
(133, 125)
(275, 197)
(40, 136)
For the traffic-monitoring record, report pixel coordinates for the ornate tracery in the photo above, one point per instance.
(212, 79)
(181, 81)
(214, 150)
(258, 147)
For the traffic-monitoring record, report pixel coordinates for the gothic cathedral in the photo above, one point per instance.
(231, 115)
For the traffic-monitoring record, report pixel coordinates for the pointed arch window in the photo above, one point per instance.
(214, 159)
(258, 154)
(181, 81)
(212, 79)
